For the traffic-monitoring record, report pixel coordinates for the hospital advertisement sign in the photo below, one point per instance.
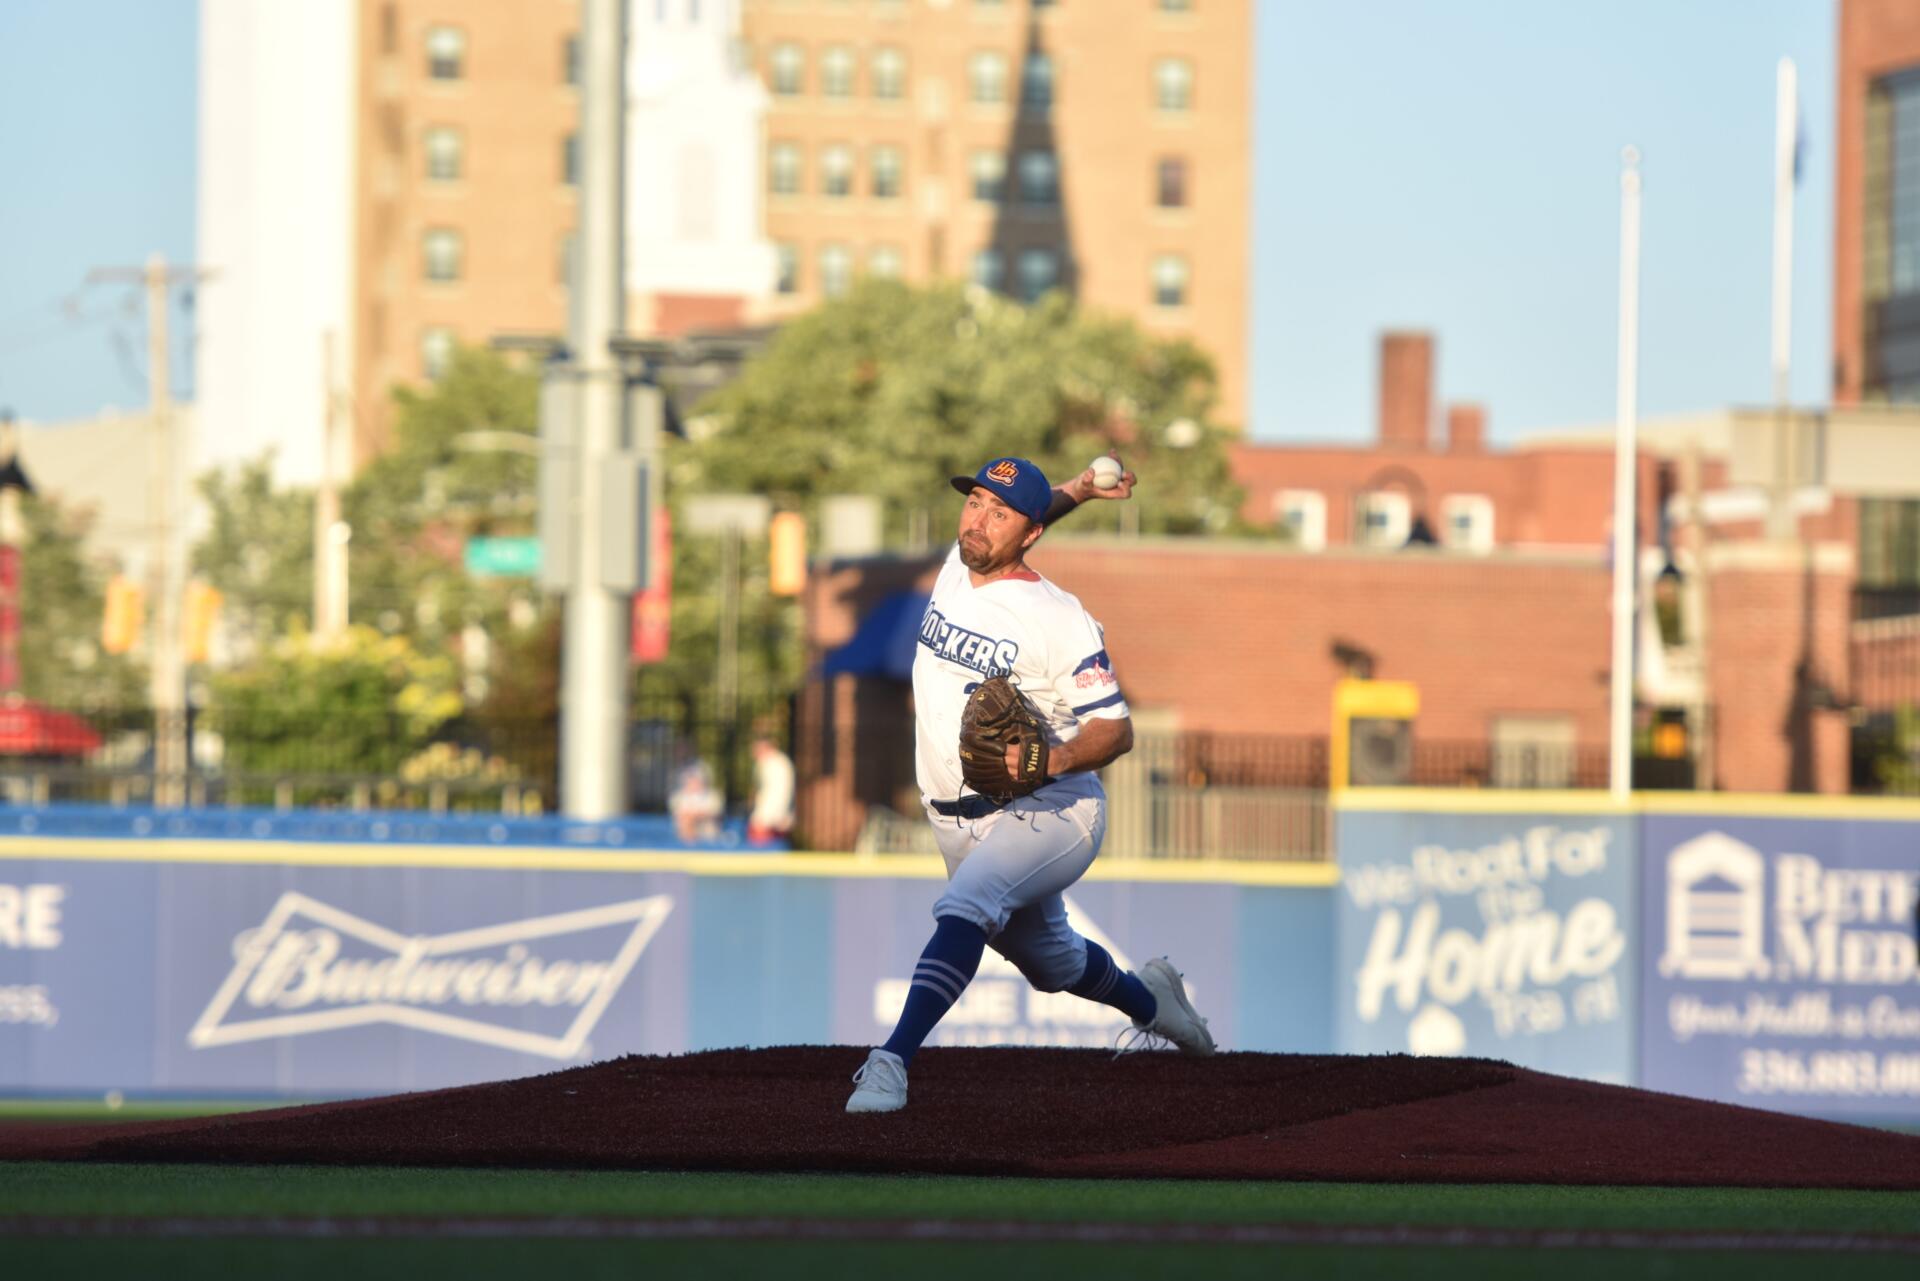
(1502, 936)
(1779, 963)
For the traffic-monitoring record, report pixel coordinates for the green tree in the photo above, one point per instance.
(62, 600)
(258, 551)
(361, 705)
(892, 388)
(413, 508)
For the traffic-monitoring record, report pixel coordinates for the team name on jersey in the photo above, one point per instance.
(984, 654)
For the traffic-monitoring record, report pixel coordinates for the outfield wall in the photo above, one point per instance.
(1754, 950)
(194, 964)
(1750, 949)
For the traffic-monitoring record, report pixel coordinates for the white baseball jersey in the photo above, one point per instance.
(1022, 626)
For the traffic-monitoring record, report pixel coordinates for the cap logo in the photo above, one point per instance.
(1004, 471)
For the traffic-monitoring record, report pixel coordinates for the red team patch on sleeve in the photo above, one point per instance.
(1095, 672)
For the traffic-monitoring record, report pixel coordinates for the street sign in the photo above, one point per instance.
(503, 557)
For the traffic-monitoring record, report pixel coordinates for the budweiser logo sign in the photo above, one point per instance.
(310, 967)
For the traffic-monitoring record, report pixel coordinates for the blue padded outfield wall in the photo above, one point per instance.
(1754, 950)
(1750, 949)
(195, 962)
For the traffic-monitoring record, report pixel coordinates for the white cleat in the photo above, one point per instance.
(1174, 1018)
(881, 1084)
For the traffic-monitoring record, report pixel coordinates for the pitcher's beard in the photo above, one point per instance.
(977, 556)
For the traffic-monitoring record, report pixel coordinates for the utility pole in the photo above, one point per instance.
(166, 572)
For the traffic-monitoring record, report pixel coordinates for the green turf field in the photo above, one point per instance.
(531, 1224)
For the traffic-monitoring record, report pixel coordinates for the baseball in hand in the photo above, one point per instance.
(1106, 471)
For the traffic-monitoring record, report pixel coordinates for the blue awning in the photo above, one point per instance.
(883, 643)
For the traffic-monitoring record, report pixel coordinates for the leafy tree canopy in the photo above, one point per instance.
(62, 599)
(892, 388)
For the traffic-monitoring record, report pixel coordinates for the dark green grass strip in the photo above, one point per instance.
(510, 1260)
(85, 1112)
(49, 1188)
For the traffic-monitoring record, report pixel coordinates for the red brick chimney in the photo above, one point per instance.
(1466, 429)
(1406, 389)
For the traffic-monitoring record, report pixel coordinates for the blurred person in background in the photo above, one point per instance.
(772, 814)
(696, 801)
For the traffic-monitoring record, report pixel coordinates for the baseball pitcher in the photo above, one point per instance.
(1016, 706)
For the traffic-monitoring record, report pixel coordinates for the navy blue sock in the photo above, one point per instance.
(945, 969)
(1108, 984)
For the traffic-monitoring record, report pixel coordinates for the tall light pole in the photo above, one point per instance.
(594, 673)
(1625, 460)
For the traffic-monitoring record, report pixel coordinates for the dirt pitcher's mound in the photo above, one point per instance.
(1050, 1113)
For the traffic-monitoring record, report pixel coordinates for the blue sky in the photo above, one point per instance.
(1442, 164)
(1455, 167)
(97, 163)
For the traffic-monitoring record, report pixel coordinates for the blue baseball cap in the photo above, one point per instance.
(1015, 482)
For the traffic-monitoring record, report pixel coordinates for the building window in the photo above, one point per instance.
(884, 261)
(1302, 514)
(444, 249)
(783, 169)
(886, 164)
(570, 160)
(1039, 272)
(1176, 6)
(564, 259)
(1381, 519)
(1171, 276)
(446, 53)
(836, 72)
(1170, 183)
(987, 77)
(1036, 81)
(436, 352)
(789, 259)
(836, 270)
(1891, 238)
(1467, 522)
(1173, 84)
(570, 61)
(889, 74)
(788, 63)
(1039, 178)
(836, 170)
(444, 148)
(989, 268)
(989, 170)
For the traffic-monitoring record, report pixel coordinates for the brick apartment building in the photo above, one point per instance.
(381, 179)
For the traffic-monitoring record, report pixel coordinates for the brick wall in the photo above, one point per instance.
(1238, 638)
(1770, 605)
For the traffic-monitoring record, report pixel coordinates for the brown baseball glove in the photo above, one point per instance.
(997, 717)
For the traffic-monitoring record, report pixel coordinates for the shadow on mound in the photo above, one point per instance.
(1048, 1113)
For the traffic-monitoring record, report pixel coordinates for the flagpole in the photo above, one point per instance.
(1625, 457)
(1785, 136)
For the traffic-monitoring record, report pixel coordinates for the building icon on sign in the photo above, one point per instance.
(1716, 888)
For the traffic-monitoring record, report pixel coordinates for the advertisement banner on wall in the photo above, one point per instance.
(333, 974)
(251, 979)
(1503, 936)
(1779, 963)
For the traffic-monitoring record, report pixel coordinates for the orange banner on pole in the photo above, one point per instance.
(653, 608)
